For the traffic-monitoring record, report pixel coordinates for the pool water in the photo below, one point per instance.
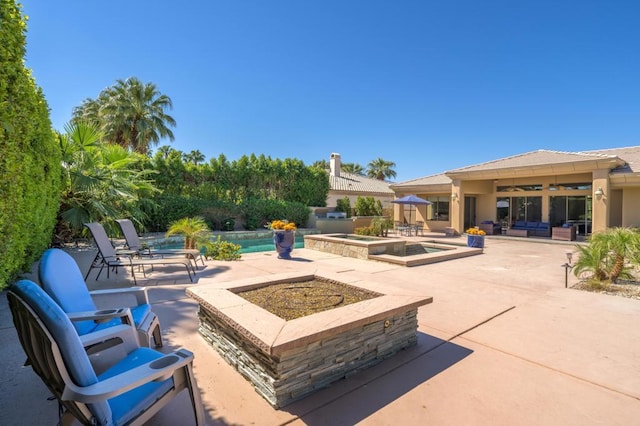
(247, 245)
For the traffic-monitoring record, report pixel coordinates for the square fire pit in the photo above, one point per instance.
(287, 360)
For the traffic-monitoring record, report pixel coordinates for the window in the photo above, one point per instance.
(439, 209)
(586, 186)
(510, 209)
(520, 188)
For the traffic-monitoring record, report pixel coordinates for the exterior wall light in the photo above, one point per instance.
(599, 192)
(454, 196)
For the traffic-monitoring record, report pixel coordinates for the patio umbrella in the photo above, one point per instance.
(412, 200)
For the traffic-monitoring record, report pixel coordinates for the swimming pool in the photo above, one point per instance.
(247, 245)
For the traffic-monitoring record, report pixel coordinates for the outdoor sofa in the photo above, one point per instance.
(536, 229)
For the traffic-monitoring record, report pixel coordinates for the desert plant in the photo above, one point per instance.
(608, 255)
(194, 229)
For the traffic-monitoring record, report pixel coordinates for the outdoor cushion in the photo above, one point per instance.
(520, 224)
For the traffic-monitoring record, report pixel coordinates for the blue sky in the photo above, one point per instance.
(429, 85)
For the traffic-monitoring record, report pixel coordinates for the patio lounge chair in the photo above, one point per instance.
(134, 243)
(130, 390)
(108, 256)
(61, 278)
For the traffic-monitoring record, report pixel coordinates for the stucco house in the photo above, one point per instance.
(353, 186)
(587, 190)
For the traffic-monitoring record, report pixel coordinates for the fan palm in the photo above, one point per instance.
(194, 230)
(100, 181)
(353, 168)
(134, 115)
(381, 169)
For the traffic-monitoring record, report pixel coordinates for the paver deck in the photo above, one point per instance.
(502, 343)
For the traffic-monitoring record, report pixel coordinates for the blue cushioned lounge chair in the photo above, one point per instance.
(62, 280)
(128, 392)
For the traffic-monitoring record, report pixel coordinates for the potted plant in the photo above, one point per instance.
(284, 237)
(475, 237)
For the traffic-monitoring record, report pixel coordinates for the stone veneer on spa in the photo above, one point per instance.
(287, 360)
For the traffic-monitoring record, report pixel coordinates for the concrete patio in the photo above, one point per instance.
(503, 343)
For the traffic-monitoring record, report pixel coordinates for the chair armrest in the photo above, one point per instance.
(123, 332)
(103, 315)
(140, 293)
(160, 369)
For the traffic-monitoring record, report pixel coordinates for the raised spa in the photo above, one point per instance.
(287, 360)
(392, 250)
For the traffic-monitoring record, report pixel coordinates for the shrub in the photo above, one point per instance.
(381, 226)
(344, 205)
(30, 167)
(366, 230)
(367, 206)
(221, 250)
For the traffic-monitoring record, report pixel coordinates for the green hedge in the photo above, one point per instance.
(30, 167)
(250, 215)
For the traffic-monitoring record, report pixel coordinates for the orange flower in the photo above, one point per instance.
(282, 225)
(475, 231)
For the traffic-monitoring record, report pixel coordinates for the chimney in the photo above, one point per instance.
(334, 163)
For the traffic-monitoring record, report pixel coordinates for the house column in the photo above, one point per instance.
(601, 192)
(456, 207)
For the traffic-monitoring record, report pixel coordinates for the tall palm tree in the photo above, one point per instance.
(129, 113)
(134, 115)
(194, 157)
(353, 168)
(381, 169)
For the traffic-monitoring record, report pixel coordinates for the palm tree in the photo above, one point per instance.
(100, 182)
(194, 157)
(194, 229)
(321, 164)
(608, 254)
(381, 169)
(130, 113)
(353, 168)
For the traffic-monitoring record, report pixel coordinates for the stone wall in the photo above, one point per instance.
(297, 373)
(338, 248)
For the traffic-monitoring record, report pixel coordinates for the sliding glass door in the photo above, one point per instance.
(573, 210)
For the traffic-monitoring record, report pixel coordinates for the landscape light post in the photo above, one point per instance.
(567, 267)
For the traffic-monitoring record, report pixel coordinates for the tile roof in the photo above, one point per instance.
(361, 184)
(438, 179)
(631, 155)
(536, 158)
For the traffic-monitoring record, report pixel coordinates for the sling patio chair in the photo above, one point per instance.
(128, 389)
(110, 258)
(134, 243)
(61, 278)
